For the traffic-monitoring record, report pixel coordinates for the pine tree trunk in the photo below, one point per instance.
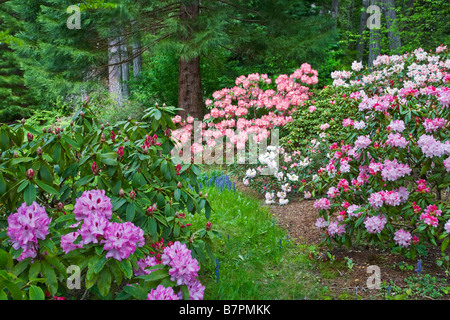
(137, 61)
(125, 69)
(189, 78)
(362, 26)
(189, 88)
(334, 10)
(374, 40)
(114, 70)
(392, 26)
(136, 50)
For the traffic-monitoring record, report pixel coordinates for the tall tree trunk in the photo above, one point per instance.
(114, 70)
(137, 61)
(375, 36)
(334, 11)
(136, 49)
(362, 26)
(392, 26)
(189, 77)
(125, 69)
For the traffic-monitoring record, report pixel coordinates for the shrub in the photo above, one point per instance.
(129, 160)
(385, 180)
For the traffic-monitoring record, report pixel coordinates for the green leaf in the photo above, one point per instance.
(84, 181)
(13, 288)
(50, 275)
(35, 269)
(30, 194)
(6, 261)
(177, 194)
(56, 155)
(21, 266)
(36, 293)
(444, 244)
(155, 275)
(47, 188)
(23, 185)
(131, 211)
(127, 268)
(104, 282)
(3, 184)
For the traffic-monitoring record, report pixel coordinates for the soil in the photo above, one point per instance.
(298, 219)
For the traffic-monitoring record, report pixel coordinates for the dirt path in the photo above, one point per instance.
(298, 218)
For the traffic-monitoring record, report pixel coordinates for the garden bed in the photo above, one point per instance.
(298, 219)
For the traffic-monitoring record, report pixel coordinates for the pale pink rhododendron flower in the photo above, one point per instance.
(403, 238)
(375, 224)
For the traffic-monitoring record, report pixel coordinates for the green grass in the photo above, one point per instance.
(256, 257)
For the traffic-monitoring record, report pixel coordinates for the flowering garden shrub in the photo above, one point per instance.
(388, 180)
(51, 182)
(249, 110)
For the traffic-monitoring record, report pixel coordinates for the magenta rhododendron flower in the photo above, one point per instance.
(162, 293)
(196, 291)
(26, 227)
(145, 263)
(93, 202)
(93, 227)
(67, 242)
(184, 269)
(121, 240)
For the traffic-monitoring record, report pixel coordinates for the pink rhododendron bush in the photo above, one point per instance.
(249, 110)
(113, 250)
(388, 181)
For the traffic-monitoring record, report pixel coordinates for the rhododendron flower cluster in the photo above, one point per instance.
(26, 227)
(249, 110)
(395, 157)
(94, 211)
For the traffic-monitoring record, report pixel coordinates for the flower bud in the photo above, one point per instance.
(59, 207)
(30, 137)
(30, 174)
(15, 154)
(82, 114)
(132, 194)
(121, 193)
(39, 151)
(94, 168)
(179, 185)
(208, 226)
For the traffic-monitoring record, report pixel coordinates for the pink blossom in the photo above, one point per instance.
(403, 238)
(122, 239)
(322, 204)
(362, 142)
(375, 224)
(162, 293)
(26, 227)
(184, 268)
(92, 202)
(67, 242)
(335, 229)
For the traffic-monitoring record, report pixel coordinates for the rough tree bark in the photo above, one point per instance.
(360, 47)
(374, 39)
(189, 78)
(125, 69)
(392, 26)
(114, 70)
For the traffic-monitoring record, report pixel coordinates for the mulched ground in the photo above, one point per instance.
(298, 218)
